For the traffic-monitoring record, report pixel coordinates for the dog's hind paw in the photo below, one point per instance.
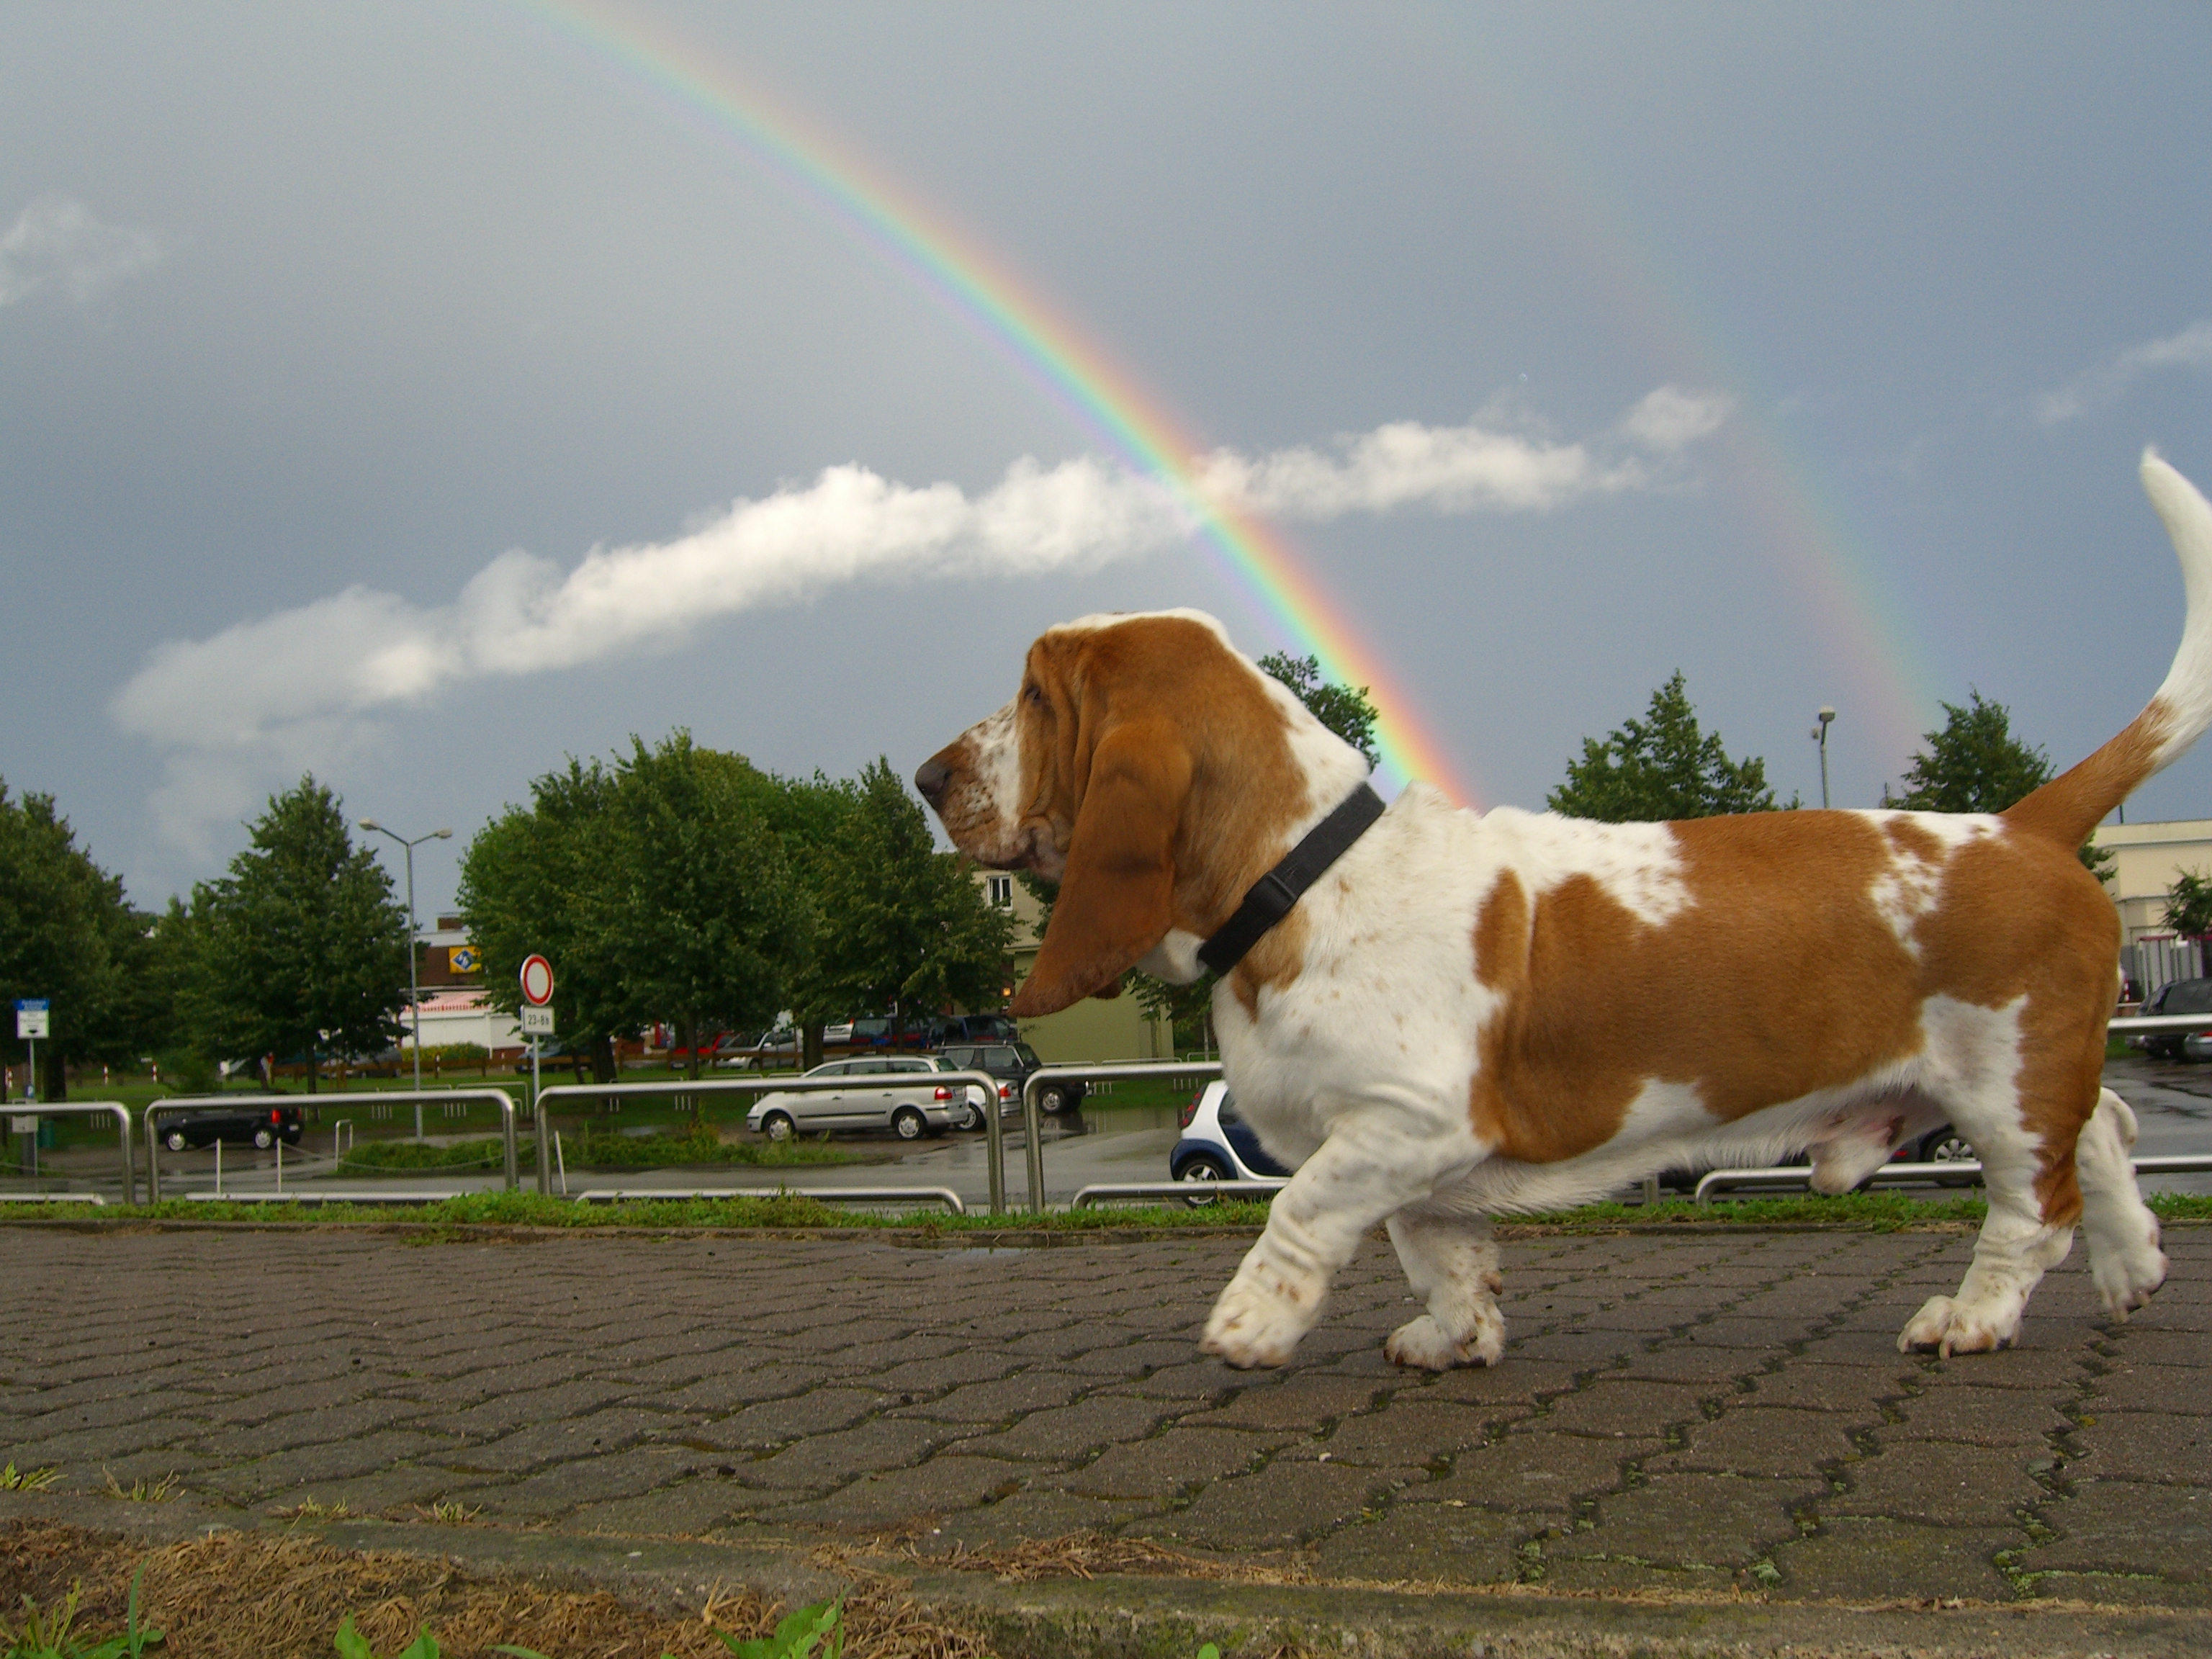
(1427, 1346)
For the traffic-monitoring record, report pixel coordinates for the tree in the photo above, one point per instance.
(2188, 905)
(1661, 767)
(543, 879)
(1975, 764)
(900, 922)
(305, 949)
(66, 934)
(711, 920)
(1344, 711)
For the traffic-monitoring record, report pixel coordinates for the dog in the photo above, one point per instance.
(1459, 1015)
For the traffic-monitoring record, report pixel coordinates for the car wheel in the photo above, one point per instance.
(778, 1126)
(1053, 1098)
(971, 1117)
(1205, 1170)
(1947, 1146)
(263, 1140)
(174, 1141)
(907, 1124)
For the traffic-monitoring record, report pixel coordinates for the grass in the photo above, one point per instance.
(15, 1479)
(593, 1150)
(1878, 1211)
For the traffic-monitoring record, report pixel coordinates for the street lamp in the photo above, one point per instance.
(414, 994)
(1820, 736)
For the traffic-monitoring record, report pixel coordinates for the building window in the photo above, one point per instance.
(1002, 891)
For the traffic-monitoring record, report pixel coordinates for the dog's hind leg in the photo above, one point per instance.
(2125, 1259)
(1451, 1263)
(2022, 1104)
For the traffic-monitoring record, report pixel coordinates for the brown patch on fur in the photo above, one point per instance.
(1274, 961)
(1155, 759)
(2066, 809)
(1781, 978)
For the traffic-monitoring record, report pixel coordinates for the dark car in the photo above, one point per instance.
(2182, 996)
(973, 1028)
(1012, 1064)
(242, 1125)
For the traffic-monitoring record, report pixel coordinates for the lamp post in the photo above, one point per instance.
(414, 993)
(1820, 736)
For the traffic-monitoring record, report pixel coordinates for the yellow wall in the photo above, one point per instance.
(1114, 1029)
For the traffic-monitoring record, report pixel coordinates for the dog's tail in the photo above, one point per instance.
(2070, 805)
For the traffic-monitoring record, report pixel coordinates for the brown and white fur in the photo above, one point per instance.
(1472, 1015)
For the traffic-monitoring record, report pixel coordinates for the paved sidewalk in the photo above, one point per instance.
(1720, 1412)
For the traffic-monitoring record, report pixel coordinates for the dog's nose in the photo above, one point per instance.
(930, 779)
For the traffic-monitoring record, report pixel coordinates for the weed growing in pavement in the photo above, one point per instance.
(51, 1635)
(142, 1491)
(308, 1509)
(452, 1512)
(13, 1479)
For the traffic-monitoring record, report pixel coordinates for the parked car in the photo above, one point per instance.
(757, 1050)
(246, 1124)
(2180, 996)
(1219, 1145)
(972, 1028)
(1012, 1062)
(898, 1093)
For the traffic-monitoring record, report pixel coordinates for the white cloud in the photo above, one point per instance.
(1670, 419)
(57, 243)
(264, 698)
(2100, 386)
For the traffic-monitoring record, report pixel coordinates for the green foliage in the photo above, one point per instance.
(1346, 711)
(53, 1634)
(901, 923)
(352, 1644)
(300, 947)
(2188, 905)
(15, 1479)
(1975, 764)
(1660, 767)
(801, 1635)
(66, 933)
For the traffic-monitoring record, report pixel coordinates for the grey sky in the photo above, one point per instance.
(310, 318)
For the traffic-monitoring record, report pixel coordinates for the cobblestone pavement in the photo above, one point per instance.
(1703, 1412)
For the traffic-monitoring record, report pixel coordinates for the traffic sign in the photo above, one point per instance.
(537, 981)
(32, 1016)
(537, 1022)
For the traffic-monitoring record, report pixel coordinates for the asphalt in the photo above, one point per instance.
(1697, 1442)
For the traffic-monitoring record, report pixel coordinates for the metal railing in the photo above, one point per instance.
(888, 1082)
(944, 1195)
(114, 1109)
(1191, 1192)
(1041, 1079)
(53, 1198)
(1909, 1175)
(181, 1104)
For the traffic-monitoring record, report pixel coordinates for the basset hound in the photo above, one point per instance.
(1466, 1015)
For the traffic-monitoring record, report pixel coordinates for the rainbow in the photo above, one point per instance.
(1045, 347)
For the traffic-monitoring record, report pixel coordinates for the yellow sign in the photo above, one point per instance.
(463, 958)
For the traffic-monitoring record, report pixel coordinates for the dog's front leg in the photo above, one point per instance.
(1367, 1169)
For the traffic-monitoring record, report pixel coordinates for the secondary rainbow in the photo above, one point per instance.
(1048, 350)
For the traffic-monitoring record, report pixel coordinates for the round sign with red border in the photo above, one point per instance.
(537, 981)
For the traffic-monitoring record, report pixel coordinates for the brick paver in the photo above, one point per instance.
(1710, 1411)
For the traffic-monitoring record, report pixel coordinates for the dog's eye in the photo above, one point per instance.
(1033, 694)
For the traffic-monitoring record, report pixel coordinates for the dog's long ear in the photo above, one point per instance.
(1114, 900)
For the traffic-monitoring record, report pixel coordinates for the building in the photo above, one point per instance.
(454, 1008)
(2147, 859)
(1113, 1029)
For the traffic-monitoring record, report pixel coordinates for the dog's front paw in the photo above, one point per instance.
(1425, 1344)
(2126, 1274)
(1259, 1320)
(1949, 1328)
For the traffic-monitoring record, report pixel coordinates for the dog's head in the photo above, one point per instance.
(1148, 768)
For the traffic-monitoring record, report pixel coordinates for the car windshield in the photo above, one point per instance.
(1027, 1055)
(2187, 996)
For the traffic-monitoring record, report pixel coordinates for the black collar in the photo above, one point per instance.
(1272, 895)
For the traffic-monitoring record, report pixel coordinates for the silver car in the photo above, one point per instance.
(899, 1093)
